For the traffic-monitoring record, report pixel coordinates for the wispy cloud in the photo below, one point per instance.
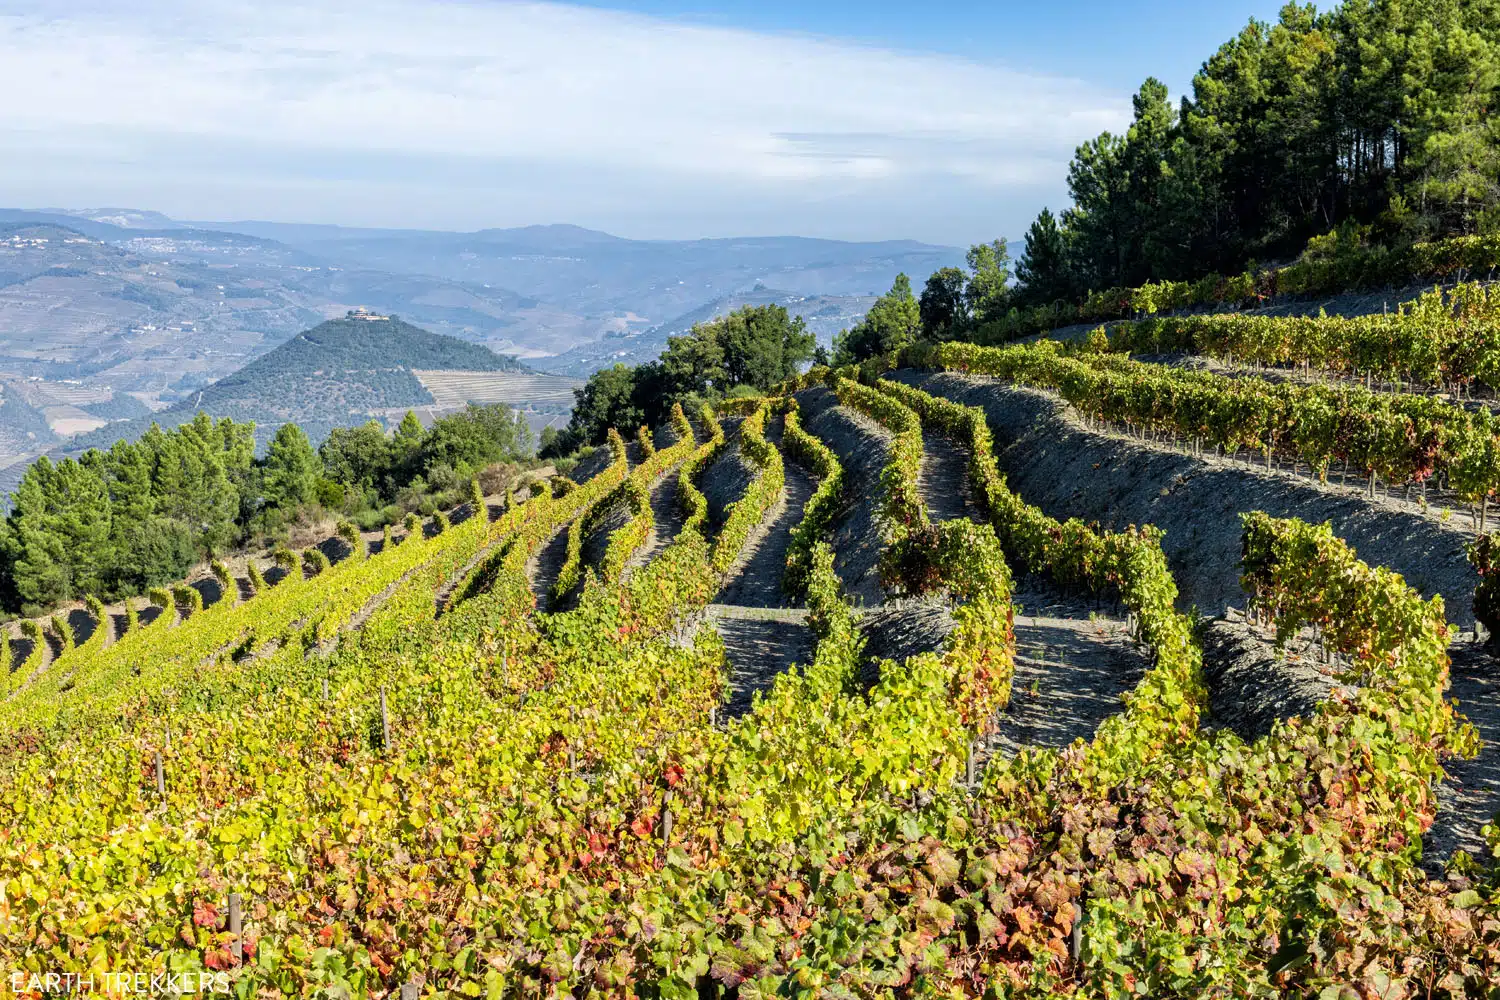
(432, 101)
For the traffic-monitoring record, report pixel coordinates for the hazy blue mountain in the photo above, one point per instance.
(825, 316)
(108, 311)
(336, 374)
(630, 284)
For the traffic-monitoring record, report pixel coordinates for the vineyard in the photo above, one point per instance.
(451, 389)
(1033, 670)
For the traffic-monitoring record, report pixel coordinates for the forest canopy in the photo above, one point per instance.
(750, 349)
(1374, 117)
(140, 514)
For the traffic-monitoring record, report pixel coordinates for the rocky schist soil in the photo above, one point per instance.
(863, 448)
(764, 631)
(1074, 664)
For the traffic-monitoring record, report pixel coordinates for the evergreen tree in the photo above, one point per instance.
(1376, 114)
(291, 468)
(943, 307)
(191, 483)
(1452, 80)
(1042, 272)
(147, 550)
(893, 322)
(59, 533)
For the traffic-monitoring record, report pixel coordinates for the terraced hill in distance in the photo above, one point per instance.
(545, 400)
(336, 374)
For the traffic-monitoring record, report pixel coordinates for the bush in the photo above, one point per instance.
(497, 477)
(64, 633)
(330, 494)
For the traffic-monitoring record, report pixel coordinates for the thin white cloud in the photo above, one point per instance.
(527, 86)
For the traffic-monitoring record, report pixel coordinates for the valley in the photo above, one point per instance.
(110, 318)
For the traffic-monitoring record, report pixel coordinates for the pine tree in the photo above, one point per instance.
(290, 470)
(1042, 273)
(892, 323)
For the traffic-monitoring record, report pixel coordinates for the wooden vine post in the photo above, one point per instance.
(236, 921)
(385, 723)
(409, 991)
(161, 778)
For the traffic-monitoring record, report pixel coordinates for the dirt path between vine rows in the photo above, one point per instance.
(666, 516)
(666, 511)
(764, 630)
(726, 478)
(943, 481)
(759, 644)
(863, 448)
(1252, 685)
(1470, 796)
(1074, 664)
(543, 568)
(607, 520)
(494, 509)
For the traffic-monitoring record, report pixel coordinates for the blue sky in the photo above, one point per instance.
(948, 122)
(1113, 44)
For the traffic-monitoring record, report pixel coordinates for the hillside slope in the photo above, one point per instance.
(338, 373)
(825, 315)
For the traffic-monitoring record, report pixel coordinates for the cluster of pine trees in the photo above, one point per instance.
(1375, 116)
(749, 350)
(116, 522)
(1365, 128)
(140, 514)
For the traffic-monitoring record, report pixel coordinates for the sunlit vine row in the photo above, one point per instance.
(1441, 340)
(1398, 438)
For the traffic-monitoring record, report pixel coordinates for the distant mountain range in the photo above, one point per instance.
(106, 314)
(637, 283)
(825, 316)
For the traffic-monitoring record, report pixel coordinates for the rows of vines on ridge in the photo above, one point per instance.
(552, 812)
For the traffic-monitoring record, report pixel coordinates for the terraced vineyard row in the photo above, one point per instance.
(1395, 438)
(1451, 259)
(500, 801)
(458, 388)
(1441, 340)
